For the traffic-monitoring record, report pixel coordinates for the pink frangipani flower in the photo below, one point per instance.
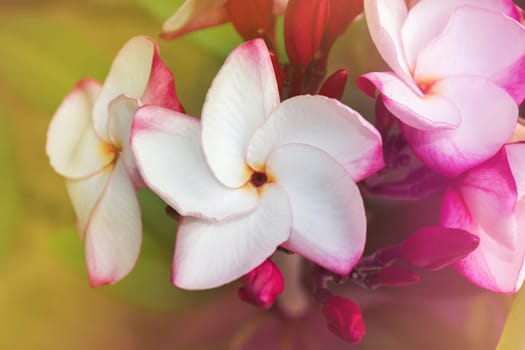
(88, 144)
(489, 201)
(255, 174)
(456, 79)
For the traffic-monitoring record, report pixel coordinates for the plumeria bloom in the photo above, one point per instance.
(456, 76)
(254, 174)
(489, 201)
(199, 14)
(88, 144)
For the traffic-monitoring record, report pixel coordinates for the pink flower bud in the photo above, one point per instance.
(304, 24)
(253, 19)
(262, 285)
(392, 276)
(344, 319)
(435, 247)
(334, 85)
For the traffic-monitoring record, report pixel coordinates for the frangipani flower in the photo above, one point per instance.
(199, 14)
(456, 76)
(255, 174)
(489, 201)
(88, 144)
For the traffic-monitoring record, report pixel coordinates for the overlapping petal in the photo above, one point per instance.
(129, 75)
(73, 147)
(488, 118)
(113, 231)
(210, 254)
(424, 112)
(169, 154)
(515, 157)
(499, 42)
(241, 97)
(329, 222)
(323, 123)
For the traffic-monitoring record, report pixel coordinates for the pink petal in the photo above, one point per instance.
(484, 203)
(425, 112)
(385, 19)
(475, 42)
(427, 19)
(516, 159)
(194, 15)
(328, 214)
(488, 117)
(209, 254)
(73, 148)
(85, 193)
(241, 97)
(323, 123)
(129, 75)
(113, 233)
(169, 155)
(121, 112)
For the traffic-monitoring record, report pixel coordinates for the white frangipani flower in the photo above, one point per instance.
(255, 174)
(88, 144)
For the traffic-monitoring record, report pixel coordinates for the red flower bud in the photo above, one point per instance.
(342, 13)
(262, 285)
(334, 85)
(344, 318)
(253, 19)
(304, 25)
(435, 247)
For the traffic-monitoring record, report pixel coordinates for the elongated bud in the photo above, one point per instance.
(334, 85)
(342, 13)
(392, 276)
(436, 247)
(384, 119)
(279, 73)
(253, 19)
(262, 285)
(344, 318)
(304, 24)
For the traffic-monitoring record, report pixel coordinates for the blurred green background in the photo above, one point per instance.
(45, 300)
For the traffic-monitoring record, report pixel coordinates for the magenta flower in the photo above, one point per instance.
(88, 143)
(255, 174)
(489, 201)
(456, 76)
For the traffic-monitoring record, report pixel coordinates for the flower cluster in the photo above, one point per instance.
(277, 164)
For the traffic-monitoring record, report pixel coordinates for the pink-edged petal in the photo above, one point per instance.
(85, 194)
(129, 75)
(114, 231)
(323, 123)
(241, 97)
(475, 41)
(169, 155)
(516, 159)
(121, 112)
(488, 118)
(73, 148)
(427, 19)
(194, 15)
(329, 222)
(209, 254)
(385, 19)
(484, 203)
(425, 112)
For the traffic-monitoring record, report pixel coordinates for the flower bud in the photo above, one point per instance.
(344, 319)
(253, 19)
(392, 276)
(334, 85)
(436, 247)
(342, 13)
(262, 285)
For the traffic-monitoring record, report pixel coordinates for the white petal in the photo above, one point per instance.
(241, 97)
(121, 112)
(113, 233)
(209, 254)
(85, 194)
(169, 154)
(323, 123)
(73, 148)
(329, 222)
(129, 75)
